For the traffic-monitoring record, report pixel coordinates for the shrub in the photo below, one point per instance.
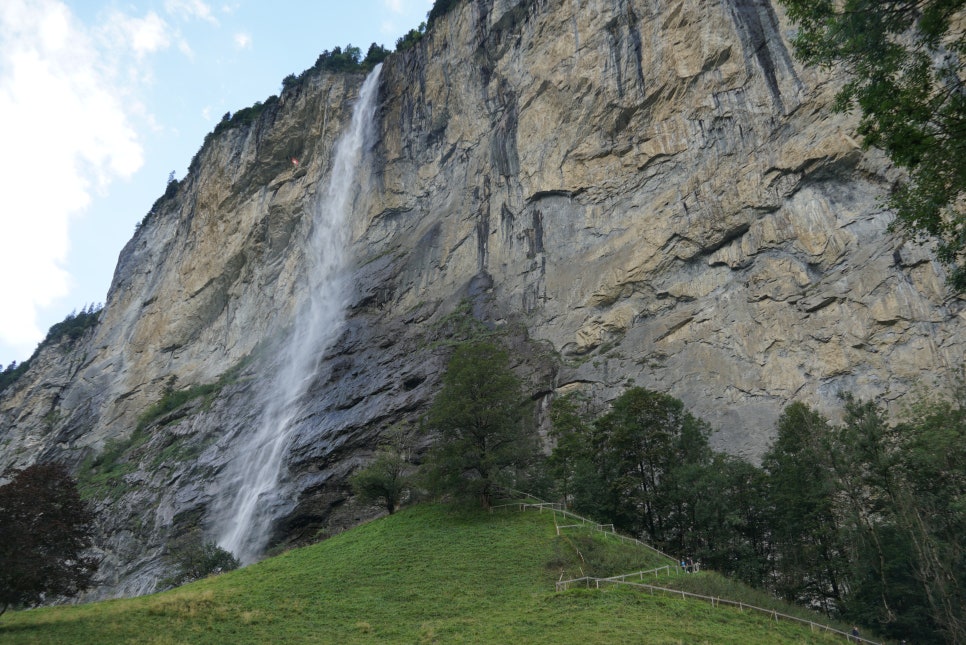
(195, 559)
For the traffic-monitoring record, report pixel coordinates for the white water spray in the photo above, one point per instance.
(254, 474)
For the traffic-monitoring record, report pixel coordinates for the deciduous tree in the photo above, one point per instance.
(906, 66)
(45, 534)
(810, 561)
(386, 479)
(484, 423)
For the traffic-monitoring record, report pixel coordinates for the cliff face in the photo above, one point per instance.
(638, 191)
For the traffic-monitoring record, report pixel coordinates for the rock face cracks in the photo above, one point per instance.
(646, 191)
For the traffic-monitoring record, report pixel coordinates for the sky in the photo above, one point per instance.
(100, 100)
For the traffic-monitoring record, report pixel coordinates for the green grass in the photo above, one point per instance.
(102, 475)
(429, 574)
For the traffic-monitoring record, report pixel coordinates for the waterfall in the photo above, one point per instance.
(253, 476)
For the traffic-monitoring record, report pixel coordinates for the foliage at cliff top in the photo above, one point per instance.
(441, 8)
(425, 574)
(340, 60)
(68, 330)
(906, 63)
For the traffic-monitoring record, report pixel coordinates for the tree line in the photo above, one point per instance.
(66, 331)
(862, 519)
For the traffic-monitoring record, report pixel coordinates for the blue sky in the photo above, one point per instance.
(101, 100)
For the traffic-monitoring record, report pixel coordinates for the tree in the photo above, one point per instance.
(193, 559)
(649, 436)
(386, 480)
(570, 463)
(486, 434)
(905, 487)
(637, 466)
(730, 531)
(409, 39)
(45, 530)
(906, 61)
(375, 55)
(809, 559)
(440, 9)
(931, 505)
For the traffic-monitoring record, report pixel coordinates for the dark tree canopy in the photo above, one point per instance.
(385, 480)
(45, 530)
(809, 562)
(193, 558)
(634, 465)
(863, 518)
(906, 70)
(484, 423)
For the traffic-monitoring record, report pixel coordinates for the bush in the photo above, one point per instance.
(171, 400)
(195, 559)
(385, 481)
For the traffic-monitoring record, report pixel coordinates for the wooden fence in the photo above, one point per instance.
(590, 581)
(560, 509)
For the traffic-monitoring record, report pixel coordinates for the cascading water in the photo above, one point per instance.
(255, 472)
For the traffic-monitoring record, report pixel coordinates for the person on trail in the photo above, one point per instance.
(855, 633)
(684, 566)
(690, 565)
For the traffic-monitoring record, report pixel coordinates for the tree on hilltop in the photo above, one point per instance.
(484, 423)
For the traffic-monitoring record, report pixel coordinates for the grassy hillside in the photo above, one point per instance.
(430, 574)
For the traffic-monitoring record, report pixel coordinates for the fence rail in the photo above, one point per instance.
(562, 510)
(589, 581)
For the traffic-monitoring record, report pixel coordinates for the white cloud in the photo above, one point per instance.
(243, 40)
(395, 6)
(190, 10)
(141, 35)
(66, 132)
(185, 48)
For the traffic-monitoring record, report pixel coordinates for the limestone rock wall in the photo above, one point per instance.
(638, 191)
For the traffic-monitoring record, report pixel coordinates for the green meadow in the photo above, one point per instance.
(428, 574)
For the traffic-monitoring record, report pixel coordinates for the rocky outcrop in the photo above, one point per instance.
(637, 191)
